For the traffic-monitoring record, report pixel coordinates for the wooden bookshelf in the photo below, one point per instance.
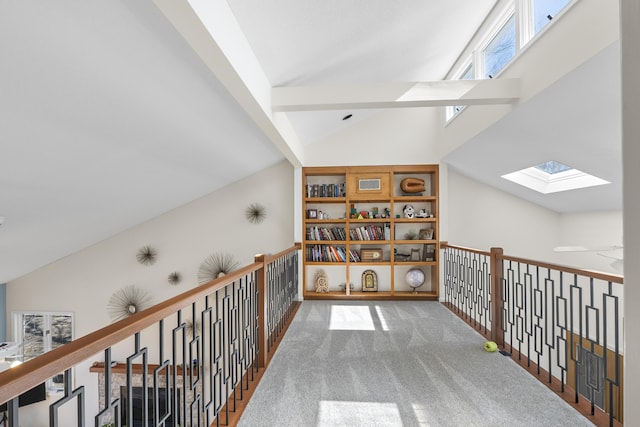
(351, 208)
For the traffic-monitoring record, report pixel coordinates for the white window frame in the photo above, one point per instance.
(524, 15)
(450, 112)
(491, 34)
(18, 331)
(522, 10)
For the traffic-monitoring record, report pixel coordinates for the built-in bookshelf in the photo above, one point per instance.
(367, 227)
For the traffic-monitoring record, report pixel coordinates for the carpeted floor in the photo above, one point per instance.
(395, 363)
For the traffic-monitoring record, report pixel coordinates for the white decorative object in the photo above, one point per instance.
(409, 211)
(322, 283)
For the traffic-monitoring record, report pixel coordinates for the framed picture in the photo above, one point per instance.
(426, 234)
(312, 213)
(429, 252)
(369, 281)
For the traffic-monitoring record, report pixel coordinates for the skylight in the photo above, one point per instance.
(552, 167)
(553, 177)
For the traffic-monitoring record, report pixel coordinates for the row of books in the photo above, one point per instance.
(326, 190)
(329, 253)
(324, 233)
(370, 232)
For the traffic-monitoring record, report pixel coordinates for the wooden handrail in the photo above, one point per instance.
(607, 277)
(445, 244)
(270, 258)
(38, 370)
(614, 278)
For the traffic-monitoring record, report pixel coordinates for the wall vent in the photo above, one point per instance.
(369, 184)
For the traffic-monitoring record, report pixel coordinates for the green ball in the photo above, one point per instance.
(490, 346)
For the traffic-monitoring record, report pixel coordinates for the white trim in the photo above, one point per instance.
(537, 35)
(449, 112)
(524, 10)
(491, 34)
(491, 40)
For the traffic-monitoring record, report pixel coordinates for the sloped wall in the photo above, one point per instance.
(481, 217)
(83, 282)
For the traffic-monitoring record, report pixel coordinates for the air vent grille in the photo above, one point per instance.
(369, 184)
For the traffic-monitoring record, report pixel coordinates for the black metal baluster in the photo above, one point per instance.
(576, 356)
(69, 395)
(111, 410)
(614, 380)
(550, 330)
(562, 324)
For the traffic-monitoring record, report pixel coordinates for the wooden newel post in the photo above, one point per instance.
(497, 334)
(261, 279)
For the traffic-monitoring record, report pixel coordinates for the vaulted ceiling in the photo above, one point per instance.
(115, 112)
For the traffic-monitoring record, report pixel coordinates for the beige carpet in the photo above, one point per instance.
(395, 363)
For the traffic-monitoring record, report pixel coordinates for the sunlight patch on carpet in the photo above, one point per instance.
(420, 412)
(351, 318)
(383, 321)
(334, 414)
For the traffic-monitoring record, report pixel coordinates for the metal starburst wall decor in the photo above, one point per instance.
(128, 301)
(174, 278)
(216, 265)
(147, 255)
(256, 213)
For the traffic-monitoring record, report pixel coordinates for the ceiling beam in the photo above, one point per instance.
(396, 95)
(212, 31)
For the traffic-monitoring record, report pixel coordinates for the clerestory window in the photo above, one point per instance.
(500, 49)
(544, 11)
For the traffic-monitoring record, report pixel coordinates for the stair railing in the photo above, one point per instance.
(562, 324)
(192, 360)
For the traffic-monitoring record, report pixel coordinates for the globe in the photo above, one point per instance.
(415, 278)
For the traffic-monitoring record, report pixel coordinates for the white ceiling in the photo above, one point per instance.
(575, 121)
(337, 42)
(109, 118)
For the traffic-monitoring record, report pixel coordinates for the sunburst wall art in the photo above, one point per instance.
(190, 330)
(147, 255)
(128, 301)
(216, 265)
(174, 278)
(256, 213)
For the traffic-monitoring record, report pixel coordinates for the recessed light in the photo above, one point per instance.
(347, 117)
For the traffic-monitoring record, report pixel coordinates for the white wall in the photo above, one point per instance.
(630, 25)
(482, 217)
(392, 137)
(591, 229)
(83, 282)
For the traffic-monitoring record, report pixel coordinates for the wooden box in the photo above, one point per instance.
(371, 255)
